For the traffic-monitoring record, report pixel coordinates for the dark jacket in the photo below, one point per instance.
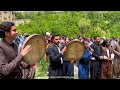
(97, 51)
(55, 56)
(55, 67)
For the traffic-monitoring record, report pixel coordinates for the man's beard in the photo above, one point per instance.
(57, 43)
(98, 42)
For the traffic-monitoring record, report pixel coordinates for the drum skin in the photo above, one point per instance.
(38, 45)
(75, 51)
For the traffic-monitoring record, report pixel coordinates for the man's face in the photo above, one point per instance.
(13, 33)
(56, 40)
(67, 40)
(86, 44)
(97, 40)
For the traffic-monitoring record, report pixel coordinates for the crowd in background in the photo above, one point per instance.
(100, 60)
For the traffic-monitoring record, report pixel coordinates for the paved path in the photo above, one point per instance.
(46, 77)
(75, 71)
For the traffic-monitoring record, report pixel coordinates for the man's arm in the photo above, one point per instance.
(94, 53)
(114, 50)
(53, 56)
(87, 56)
(116, 53)
(5, 67)
(24, 65)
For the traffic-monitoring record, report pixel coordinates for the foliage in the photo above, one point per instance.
(72, 23)
(84, 25)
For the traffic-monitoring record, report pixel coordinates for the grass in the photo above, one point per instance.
(42, 69)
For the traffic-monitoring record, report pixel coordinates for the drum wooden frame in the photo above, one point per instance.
(38, 45)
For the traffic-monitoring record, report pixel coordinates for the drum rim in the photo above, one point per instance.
(80, 43)
(29, 39)
(24, 44)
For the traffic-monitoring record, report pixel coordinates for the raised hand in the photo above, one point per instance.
(64, 49)
(26, 50)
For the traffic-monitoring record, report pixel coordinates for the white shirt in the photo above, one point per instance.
(61, 57)
(108, 52)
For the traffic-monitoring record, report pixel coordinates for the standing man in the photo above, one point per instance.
(116, 61)
(10, 61)
(107, 62)
(47, 46)
(28, 72)
(68, 67)
(98, 54)
(56, 58)
(83, 66)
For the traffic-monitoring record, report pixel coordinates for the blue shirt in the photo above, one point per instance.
(86, 58)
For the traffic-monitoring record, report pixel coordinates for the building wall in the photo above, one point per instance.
(21, 21)
(7, 16)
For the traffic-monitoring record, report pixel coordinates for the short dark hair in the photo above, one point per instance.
(95, 37)
(5, 27)
(105, 42)
(53, 36)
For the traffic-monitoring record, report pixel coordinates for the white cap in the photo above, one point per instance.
(47, 33)
(104, 37)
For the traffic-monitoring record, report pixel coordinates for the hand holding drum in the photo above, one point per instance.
(64, 49)
(26, 50)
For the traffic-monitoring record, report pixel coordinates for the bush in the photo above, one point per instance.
(42, 68)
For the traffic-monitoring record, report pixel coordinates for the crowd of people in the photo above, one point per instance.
(101, 59)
